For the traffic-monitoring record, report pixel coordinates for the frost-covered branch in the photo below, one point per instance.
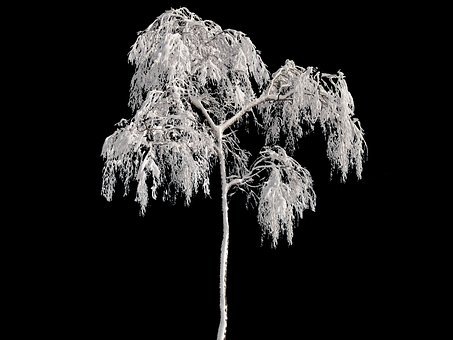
(250, 106)
(233, 182)
(284, 193)
(317, 98)
(237, 157)
(163, 144)
(281, 188)
(197, 103)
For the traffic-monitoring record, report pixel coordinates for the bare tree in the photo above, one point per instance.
(195, 85)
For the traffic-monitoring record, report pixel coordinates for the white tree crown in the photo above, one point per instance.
(196, 83)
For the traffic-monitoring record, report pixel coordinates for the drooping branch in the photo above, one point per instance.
(318, 99)
(281, 188)
(284, 194)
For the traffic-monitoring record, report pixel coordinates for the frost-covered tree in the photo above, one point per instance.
(195, 85)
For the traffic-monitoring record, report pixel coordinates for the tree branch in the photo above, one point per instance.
(197, 103)
(235, 181)
(246, 179)
(225, 125)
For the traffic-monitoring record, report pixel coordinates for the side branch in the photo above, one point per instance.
(233, 182)
(248, 178)
(197, 103)
(225, 125)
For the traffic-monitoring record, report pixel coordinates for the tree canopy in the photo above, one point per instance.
(196, 83)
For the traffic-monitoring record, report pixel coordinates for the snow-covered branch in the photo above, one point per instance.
(237, 157)
(264, 98)
(284, 193)
(317, 98)
(164, 144)
(233, 182)
(197, 103)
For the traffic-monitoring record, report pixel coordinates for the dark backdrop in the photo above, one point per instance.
(114, 273)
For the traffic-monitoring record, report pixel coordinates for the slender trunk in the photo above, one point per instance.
(224, 250)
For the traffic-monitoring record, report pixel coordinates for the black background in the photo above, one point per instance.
(353, 269)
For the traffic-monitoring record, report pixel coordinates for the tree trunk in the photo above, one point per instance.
(224, 249)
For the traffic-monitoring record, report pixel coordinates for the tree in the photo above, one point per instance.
(195, 86)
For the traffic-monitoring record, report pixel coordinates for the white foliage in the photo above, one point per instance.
(122, 152)
(177, 57)
(284, 194)
(164, 143)
(237, 158)
(189, 56)
(148, 165)
(170, 145)
(315, 98)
